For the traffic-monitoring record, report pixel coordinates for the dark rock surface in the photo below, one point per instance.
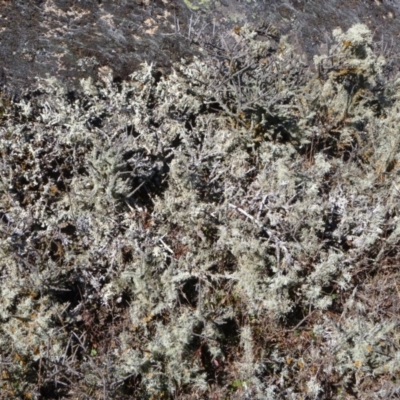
(73, 39)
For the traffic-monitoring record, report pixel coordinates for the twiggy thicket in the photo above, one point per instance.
(227, 231)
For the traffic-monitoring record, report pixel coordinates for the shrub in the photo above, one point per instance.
(224, 230)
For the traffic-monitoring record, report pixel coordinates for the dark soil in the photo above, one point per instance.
(72, 39)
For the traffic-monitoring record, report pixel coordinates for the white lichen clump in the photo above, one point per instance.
(223, 229)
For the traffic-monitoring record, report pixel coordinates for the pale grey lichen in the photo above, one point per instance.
(223, 228)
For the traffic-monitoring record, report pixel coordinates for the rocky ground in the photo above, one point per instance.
(74, 39)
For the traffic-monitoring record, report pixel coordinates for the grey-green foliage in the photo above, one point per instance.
(227, 200)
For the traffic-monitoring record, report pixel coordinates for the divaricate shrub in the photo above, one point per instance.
(228, 230)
